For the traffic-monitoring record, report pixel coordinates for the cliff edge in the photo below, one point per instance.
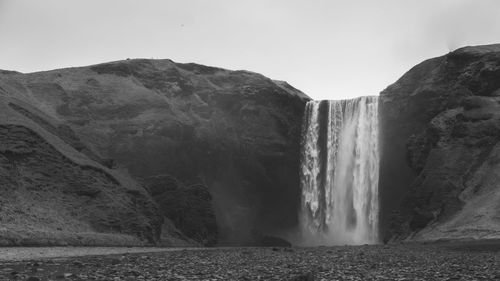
(157, 151)
(440, 149)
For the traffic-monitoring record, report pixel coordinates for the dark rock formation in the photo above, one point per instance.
(272, 241)
(440, 151)
(189, 207)
(48, 199)
(233, 133)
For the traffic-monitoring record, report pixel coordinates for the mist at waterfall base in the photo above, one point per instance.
(339, 173)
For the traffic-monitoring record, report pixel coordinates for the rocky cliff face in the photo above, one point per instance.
(49, 199)
(440, 148)
(217, 150)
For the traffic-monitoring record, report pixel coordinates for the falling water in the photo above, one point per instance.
(339, 172)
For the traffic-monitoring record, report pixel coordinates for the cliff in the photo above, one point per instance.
(148, 151)
(440, 151)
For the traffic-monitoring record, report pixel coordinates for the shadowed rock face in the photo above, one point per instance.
(229, 139)
(190, 207)
(48, 199)
(440, 151)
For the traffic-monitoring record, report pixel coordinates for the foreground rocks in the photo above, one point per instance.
(396, 262)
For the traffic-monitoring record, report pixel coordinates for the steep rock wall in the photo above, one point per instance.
(440, 132)
(234, 134)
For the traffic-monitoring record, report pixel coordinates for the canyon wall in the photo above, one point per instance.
(209, 155)
(153, 152)
(440, 127)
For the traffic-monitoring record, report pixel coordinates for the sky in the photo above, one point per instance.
(329, 49)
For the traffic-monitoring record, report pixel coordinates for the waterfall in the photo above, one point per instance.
(339, 172)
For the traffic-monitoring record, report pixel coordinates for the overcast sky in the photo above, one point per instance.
(329, 49)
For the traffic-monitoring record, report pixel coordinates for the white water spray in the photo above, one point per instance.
(339, 172)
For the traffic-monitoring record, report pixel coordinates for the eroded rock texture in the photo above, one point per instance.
(190, 207)
(48, 199)
(228, 139)
(441, 152)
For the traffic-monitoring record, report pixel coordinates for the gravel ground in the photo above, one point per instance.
(393, 262)
(31, 253)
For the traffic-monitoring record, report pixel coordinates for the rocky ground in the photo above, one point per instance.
(451, 261)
